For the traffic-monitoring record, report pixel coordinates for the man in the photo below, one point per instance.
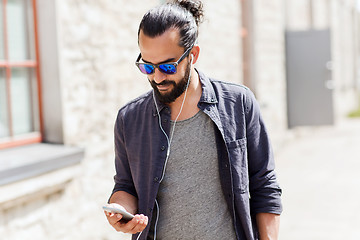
(192, 156)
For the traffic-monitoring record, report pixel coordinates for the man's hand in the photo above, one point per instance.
(137, 224)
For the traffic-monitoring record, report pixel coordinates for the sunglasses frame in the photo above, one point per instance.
(175, 64)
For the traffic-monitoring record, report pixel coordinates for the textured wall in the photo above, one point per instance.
(220, 41)
(269, 61)
(98, 48)
(345, 68)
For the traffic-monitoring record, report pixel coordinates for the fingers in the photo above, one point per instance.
(113, 218)
(141, 223)
(137, 224)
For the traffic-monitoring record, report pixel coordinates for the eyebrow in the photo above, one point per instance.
(166, 61)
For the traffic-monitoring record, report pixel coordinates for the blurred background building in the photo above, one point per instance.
(67, 66)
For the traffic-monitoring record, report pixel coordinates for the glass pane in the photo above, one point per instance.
(4, 128)
(30, 29)
(20, 30)
(2, 55)
(24, 104)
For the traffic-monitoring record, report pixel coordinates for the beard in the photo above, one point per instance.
(178, 88)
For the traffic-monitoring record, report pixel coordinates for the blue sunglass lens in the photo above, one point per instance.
(167, 68)
(146, 68)
(150, 69)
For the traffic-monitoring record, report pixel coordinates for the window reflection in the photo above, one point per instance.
(2, 47)
(20, 32)
(4, 130)
(23, 97)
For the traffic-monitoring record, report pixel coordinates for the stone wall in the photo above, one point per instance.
(269, 63)
(98, 48)
(345, 56)
(220, 41)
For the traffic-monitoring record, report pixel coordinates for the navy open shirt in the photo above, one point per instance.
(246, 162)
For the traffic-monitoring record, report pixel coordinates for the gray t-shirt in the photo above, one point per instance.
(192, 205)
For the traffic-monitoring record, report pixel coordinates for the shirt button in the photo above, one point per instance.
(156, 179)
(226, 165)
(165, 120)
(162, 148)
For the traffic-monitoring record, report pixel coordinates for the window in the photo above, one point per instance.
(20, 121)
(23, 24)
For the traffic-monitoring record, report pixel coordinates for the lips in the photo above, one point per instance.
(164, 85)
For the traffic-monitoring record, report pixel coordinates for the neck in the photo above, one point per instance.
(193, 95)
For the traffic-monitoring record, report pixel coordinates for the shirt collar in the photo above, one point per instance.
(208, 94)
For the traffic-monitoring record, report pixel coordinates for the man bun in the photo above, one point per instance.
(184, 15)
(195, 7)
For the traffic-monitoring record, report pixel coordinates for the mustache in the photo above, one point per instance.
(164, 82)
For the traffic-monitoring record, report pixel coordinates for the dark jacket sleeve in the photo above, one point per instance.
(264, 190)
(123, 179)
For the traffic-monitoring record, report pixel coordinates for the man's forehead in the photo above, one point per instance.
(170, 38)
(160, 49)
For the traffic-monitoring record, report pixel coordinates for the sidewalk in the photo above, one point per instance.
(319, 174)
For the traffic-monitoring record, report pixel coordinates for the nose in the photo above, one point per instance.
(159, 76)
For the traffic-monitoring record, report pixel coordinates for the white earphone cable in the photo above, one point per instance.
(169, 140)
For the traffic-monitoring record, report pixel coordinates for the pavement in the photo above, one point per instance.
(318, 170)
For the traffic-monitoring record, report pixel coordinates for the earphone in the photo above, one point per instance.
(169, 139)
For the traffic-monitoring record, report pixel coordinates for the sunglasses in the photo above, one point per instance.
(166, 68)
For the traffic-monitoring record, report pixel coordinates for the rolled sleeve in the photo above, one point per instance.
(265, 193)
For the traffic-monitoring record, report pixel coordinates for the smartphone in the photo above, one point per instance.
(126, 215)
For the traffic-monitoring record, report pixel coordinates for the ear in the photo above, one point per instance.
(195, 53)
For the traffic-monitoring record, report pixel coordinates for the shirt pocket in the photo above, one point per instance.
(239, 164)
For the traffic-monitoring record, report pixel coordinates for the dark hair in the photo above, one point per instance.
(185, 15)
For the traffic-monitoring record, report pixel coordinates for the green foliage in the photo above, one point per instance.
(355, 113)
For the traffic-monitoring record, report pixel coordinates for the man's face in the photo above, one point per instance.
(165, 49)
(175, 88)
